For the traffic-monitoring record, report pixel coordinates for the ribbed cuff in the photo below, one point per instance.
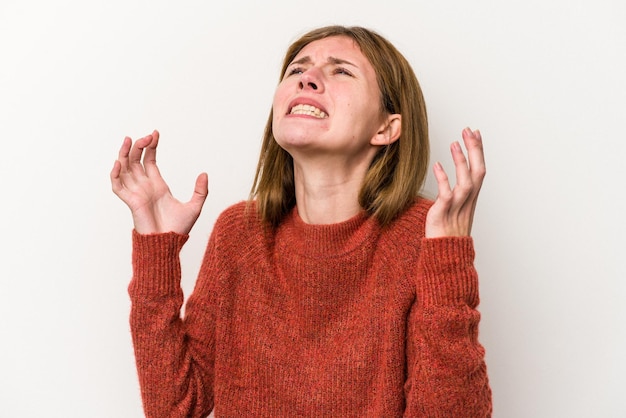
(447, 274)
(156, 263)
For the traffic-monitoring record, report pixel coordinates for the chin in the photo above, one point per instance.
(291, 144)
(293, 137)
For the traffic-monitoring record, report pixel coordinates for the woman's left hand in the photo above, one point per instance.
(453, 211)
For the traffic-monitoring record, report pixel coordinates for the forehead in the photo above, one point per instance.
(342, 47)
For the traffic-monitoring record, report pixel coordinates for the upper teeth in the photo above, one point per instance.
(304, 109)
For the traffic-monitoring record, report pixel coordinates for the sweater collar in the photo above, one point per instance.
(294, 235)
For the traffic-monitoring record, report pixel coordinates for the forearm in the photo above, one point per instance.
(447, 371)
(172, 384)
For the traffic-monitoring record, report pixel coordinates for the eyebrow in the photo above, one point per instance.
(330, 60)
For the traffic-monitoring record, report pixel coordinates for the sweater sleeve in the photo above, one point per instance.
(447, 375)
(173, 356)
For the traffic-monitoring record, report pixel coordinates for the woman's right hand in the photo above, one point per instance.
(140, 185)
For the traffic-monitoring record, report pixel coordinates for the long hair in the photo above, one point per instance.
(398, 170)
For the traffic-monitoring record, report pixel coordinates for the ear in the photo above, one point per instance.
(389, 130)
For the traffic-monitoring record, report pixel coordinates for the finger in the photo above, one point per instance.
(134, 157)
(200, 192)
(122, 155)
(149, 157)
(462, 202)
(463, 185)
(474, 144)
(118, 175)
(443, 185)
(116, 182)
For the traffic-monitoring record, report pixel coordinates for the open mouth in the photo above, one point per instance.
(308, 110)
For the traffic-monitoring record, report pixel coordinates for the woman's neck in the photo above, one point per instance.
(328, 193)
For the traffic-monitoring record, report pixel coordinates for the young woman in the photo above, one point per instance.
(335, 290)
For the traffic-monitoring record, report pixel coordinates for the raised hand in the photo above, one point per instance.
(452, 213)
(140, 185)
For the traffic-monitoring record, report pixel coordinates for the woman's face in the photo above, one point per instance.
(328, 101)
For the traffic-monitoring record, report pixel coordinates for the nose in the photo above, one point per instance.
(310, 80)
(308, 84)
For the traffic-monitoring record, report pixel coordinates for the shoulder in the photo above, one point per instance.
(236, 213)
(241, 215)
(412, 220)
(405, 233)
(238, 223)
(400, 242)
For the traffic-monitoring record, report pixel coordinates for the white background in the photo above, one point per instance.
(543, 80)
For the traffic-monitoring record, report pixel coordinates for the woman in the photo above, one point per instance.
(335, 290)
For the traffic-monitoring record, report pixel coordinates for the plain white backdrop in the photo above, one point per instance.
(543, 80)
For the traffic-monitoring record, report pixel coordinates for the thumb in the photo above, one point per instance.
(201, 191)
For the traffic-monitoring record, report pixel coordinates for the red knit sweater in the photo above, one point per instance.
(343, 320)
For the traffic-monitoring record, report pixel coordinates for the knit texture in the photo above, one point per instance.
(342, 320)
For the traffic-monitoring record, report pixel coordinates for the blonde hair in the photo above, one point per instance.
(398, 170)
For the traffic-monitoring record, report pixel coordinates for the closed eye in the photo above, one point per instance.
(341, 70)
(294, 70)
